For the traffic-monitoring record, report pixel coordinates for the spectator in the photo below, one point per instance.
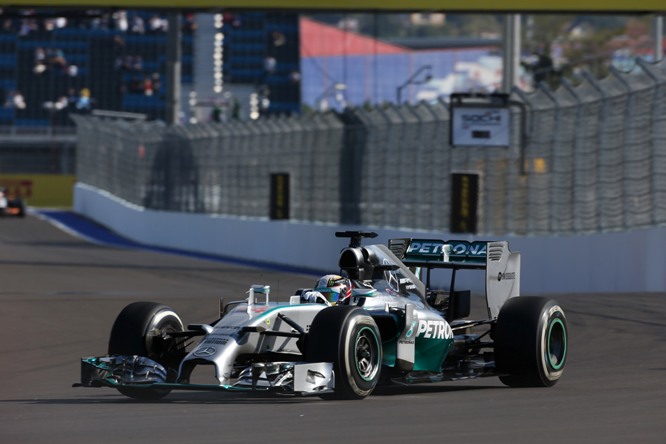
(49, 24)
(57, 105)
(235, 109)
(27, 26)
(157, 83)
(189, 24)
(137, 25)
(156, 24)
(269, 65)
(84, 104)
(147, 86)
(129, 63)
(216, 113)
(278, 38)
(120, 20)
(72, 70)
(136, 63)
(16, 100)
(57, 59)
(61, 22)
(40, 60)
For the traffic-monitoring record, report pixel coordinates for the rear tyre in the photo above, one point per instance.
(349, 338)
(531, 342)
(140, 329)
(21, 209)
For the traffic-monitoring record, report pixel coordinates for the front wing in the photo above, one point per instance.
(302, 378)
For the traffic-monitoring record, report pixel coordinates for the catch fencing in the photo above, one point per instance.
(592, 162)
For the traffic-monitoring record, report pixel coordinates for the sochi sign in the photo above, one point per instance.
(480, 126)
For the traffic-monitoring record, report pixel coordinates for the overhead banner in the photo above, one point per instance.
(487, 6)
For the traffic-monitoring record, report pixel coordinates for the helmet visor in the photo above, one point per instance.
(333, 287)
(331, 294)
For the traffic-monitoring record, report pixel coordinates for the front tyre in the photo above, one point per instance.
(142, 328)
(349, 338)
(531, 342)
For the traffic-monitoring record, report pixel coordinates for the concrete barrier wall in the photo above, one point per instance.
(630, 261)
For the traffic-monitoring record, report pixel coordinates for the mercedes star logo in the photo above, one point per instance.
(205, 351)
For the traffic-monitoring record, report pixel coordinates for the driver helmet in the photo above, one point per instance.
(335, 288)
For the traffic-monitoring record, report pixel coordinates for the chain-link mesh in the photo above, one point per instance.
(592, 162)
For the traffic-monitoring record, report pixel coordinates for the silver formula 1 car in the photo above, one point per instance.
(392, 329)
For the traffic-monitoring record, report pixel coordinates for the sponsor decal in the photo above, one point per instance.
(506, 275)
(410, 332)
(216, 341)
(434, 330)
(464, 202)
(392, 280)
(424, 247)
(279, 196)
(407, 284)
(227, 330)
(205, 351)
(466, 249)
(18, 187)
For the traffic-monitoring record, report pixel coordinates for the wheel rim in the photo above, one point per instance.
(159, 349)
(366, 354)
(162, 325)
(557, 344)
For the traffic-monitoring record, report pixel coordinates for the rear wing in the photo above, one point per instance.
(501, 265)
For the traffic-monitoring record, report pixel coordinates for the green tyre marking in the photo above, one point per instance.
(556, 360)
(366, 366)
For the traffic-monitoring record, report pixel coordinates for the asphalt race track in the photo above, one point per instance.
(59, 296)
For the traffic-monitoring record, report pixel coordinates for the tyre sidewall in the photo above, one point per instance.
(359, 327)
(332, 338)
(528, 330)
(552, 324)
(130, 336)
(130, 331)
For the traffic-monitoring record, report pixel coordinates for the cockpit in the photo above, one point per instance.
(377, 266)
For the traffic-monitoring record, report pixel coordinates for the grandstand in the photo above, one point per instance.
(51, 67)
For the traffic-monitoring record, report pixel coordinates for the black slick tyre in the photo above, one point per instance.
(349, 338)
(140, 329)
(531, 342)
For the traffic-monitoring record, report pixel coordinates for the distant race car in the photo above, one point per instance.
(11, 205)
(389, 327)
